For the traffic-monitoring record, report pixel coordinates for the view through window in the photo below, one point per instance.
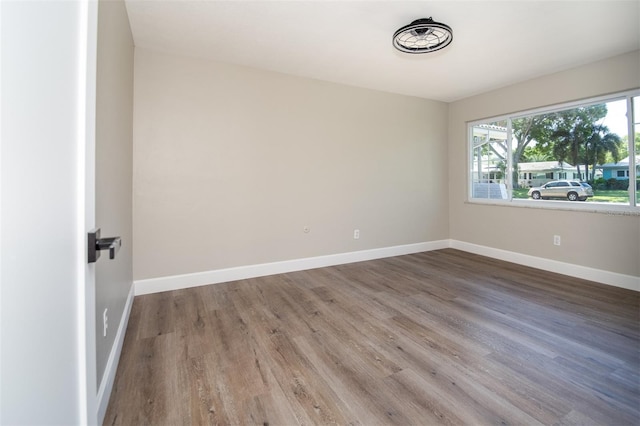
(587, 152)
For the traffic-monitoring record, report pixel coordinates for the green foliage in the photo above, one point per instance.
(575, 136)
(599, 183)
(614, 183)
(532, 154)
(526, 130)
(571, 129)
(623, 150)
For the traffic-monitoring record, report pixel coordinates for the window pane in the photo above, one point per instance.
(583, 144)
(531, 154)
(489, 160)
(535, 156)
(610, 152)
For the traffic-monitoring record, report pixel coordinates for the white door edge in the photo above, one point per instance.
(87, 54)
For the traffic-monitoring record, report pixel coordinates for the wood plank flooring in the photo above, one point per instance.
(442, 337)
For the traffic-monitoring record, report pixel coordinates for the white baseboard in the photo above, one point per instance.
(176, 282)
(598, 275)
(109, 375)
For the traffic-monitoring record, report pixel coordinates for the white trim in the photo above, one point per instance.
(3, 144)
(598, 275)
(631, 172)
(609, 209)
(106, 384)
(85, 209)
(582, 102)
(176, 282)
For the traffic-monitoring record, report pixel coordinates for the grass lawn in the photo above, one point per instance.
(599, 196)
(610, 196)
(520, 193)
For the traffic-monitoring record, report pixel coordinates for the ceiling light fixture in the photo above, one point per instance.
(423, 36)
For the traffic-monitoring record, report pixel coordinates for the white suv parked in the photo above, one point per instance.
(569, 189)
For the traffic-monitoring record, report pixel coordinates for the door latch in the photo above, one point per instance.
(97, 244)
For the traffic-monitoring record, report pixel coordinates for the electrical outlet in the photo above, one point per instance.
(356, 234)
(306, 229)
(105, 322)
(556, 240)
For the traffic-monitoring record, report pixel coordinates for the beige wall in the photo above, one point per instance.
(230, 163)
(595, 240)
(114, 168)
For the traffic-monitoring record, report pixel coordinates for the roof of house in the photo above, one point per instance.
(538, 166)
(624, 163)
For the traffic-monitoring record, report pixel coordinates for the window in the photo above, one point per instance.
(526, 176)
(596, 142)
(489, 151)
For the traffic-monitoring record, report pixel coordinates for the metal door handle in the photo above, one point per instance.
(96, 244)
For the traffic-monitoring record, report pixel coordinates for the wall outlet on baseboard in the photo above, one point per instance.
(556, 240)
(356, 234)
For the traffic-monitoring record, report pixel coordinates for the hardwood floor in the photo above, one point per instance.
(442, 337)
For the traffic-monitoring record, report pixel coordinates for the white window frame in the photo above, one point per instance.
(632, 208)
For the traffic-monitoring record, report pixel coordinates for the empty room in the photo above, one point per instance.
(320, 212)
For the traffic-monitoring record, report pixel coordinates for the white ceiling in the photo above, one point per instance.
(495, 43)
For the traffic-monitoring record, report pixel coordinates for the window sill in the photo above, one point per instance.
(609, 209)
